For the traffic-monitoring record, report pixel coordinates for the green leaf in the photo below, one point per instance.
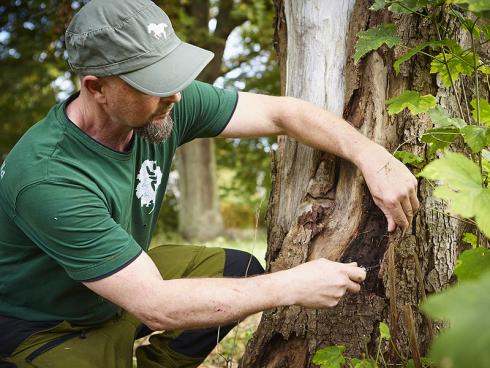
(330, 357)
(384, 331)
(439, 138)
(374, 38)
(407, 6)
(362, 363)
(472, 263)
(476, 137)
(378, 5)
(432, 44)
(460, 183)
(471, 239)
(475, 6)
(411, 100)
(409, 158)
(486, 31)
(426, 363)
(465, 306)
(484, 111)
(471, 27)
(457, 66)
(441, 119)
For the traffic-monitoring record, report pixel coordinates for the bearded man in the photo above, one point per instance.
(80, 195)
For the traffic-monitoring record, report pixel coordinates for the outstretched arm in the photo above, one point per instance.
(204, 302)
(393, 187)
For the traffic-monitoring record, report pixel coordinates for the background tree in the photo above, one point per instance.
(322, 208)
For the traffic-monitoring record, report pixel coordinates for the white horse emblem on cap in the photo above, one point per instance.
(157, 30)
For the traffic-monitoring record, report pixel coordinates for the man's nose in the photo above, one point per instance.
(173, 98)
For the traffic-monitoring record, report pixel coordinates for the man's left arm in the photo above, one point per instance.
(392, 185)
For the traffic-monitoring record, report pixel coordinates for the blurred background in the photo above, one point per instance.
(230, 188)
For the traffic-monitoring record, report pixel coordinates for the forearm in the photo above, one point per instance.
(196, 303)
(323, 130)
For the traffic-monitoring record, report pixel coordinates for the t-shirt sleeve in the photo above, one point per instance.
(204, 111)
(74, 227)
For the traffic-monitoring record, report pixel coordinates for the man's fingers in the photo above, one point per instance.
(353, 287)
(407, 209)
(399, 216)
(356, 274)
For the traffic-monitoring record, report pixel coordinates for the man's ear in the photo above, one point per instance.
(95, 86)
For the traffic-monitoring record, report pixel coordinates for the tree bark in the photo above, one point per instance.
(320, 205)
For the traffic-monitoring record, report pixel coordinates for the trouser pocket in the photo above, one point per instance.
(53, 344)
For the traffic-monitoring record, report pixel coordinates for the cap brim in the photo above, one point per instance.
(172, 73)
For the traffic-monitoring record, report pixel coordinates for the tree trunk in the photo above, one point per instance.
(199, 209)
(320, 205)
(199, 212)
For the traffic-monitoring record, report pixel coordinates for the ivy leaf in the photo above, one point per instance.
(460, 183)
(409, 158)
(476, 137)
(411, 100)
(432, 44)
(330, 357)
(466, 308)
(439, 138)
(484, 111)
(441, 119)
(364, 363)
(457, 67)
(470, 239)
(475, 6)
(384, 331)
(485, 154)
(472, 263)
(374, 38)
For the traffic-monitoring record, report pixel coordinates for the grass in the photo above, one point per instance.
(229, 351)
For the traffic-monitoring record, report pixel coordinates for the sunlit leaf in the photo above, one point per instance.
(465, 306)
(476, 137)
(432, 44)
(330, 357)
(374, 38)
(472, 263)
(411, 100)
(441, 119)
(409, 158)
(378, 5)
(460, 183)
(486, 31)
(484, 111)
(470, 239)
(384, 331)
(458, 65)
(476, 6)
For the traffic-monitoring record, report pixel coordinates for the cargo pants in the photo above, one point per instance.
(110, 344)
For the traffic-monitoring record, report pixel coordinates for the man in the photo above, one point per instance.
(81, 191)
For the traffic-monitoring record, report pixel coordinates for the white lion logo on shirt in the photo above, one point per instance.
(149, 177)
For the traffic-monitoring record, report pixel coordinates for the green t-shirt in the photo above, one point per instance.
(74, 210)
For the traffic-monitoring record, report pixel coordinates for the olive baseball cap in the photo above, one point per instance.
(134, 40)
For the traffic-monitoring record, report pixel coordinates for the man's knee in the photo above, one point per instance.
(239, 264)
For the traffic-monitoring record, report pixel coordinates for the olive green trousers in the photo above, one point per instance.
(110, 344)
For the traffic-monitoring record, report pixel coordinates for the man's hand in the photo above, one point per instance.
(322, 283)
(392, 185)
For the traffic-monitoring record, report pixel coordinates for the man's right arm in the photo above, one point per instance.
(204, 302)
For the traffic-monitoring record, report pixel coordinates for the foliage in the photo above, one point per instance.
(374, 38)
(466, 307)
(458, 159)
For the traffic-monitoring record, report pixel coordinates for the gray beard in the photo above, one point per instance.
(156, 131)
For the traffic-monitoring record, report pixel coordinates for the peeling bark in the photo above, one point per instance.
(322, 208)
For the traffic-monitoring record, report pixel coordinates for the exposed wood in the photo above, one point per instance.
(320, 206)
